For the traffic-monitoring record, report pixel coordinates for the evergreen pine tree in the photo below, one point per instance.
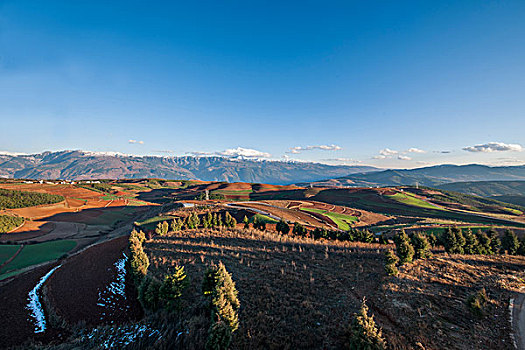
(404, 249)
(246, 222)
(172, 287)
(509, 242)
(364, 334)
(484, 243)
(421, 246)
(390, 263)
(471, 243)
(495, 241)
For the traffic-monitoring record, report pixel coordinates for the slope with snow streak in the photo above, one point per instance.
(35, 306)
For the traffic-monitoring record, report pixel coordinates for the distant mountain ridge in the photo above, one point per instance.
(428, 176)
(78, 165)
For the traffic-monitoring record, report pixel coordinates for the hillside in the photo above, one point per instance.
(428, 176)
(487, 188)
(77, 165)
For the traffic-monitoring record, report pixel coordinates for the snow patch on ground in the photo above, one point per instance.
(35, 306)
(121, 336)
(110, 297)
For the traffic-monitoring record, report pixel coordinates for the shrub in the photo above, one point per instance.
(364, 334)
(477, 302)
(282, 227)
(299, 229)
(219, 336)
(246, 222)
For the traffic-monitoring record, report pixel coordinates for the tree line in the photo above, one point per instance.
(455, 241)
(12, 199)
(218, 289)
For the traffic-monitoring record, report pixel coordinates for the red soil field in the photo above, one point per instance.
(73, 290)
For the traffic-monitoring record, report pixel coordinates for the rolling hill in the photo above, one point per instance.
(77, 165)
(487, 188)
(429, 176)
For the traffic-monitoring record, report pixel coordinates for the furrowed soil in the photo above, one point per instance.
(297, 293)
(73, 290)
(294, 294)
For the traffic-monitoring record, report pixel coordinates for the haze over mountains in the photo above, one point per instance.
(429, 176)
(77, 165)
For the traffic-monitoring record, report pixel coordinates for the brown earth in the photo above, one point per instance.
(17, 328)
(296, 293)
(73, 290)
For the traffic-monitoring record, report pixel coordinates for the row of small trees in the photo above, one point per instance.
(193, 221)
(416, 246)
(218, 287)
(457, 241)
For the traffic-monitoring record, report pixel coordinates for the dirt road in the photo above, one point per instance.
(518, 320)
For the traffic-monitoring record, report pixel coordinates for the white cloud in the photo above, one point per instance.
(12, 154)
(388, 152)
(299, 149)
(402, 157)
(135, 141)
(234, 152)
(415, 150)
(494, 147)
(379, 157)
(244, 152)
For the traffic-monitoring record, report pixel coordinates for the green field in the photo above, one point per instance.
(7, 251)
(342, 221)
(409, 199)
(263, 218)
(36, 254)
(151, 223)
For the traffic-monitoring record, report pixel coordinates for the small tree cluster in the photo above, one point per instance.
(363, 332)
(282, 227)
(352, 235)
(162, 228)
(229, 221)
(299, 229)
(258, 223)
(138, 261)
(457, 241)
(192, 221)
(177, 224)
(219, 287)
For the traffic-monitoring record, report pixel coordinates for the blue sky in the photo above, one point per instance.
(387, 83)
